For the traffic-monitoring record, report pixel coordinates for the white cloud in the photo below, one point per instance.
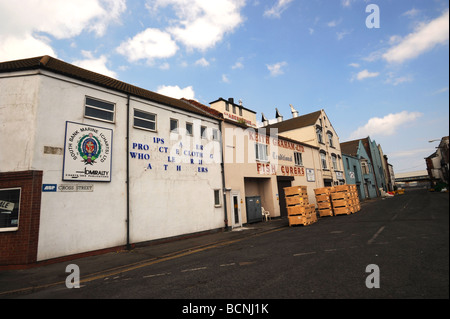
(22, 21)
(425, 38)
(443, 90)
(277, 9)
(201, 24)
(176, 92)
(95, 64)
(15, 47)
(355, 65)
(394, 80)
(277, 68)
(385, 126)
(148, 45)
(225, 78)
(364, 74)
(202, 62)
(238, 65)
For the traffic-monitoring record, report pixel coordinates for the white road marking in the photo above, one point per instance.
(370, 241)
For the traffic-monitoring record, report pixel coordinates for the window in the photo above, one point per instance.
(173, 125)
(319, 134)
(189, 129)
(203, 132)
(99, 110)
(261, 152)
(217, 202)
(333, 159)
(330, 138)
(298, 159)
(365, 167)
(323, 159)
(144, 120)
(215, 135)
(9, 209)
(240, 111)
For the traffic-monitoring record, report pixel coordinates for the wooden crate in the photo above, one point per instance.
(339, 196)
(324, 205)
(295, 190)
(326, 212)
(296, 200)
(342, 211)
(297, 210)
(322, 191)
(322, 198)
(302, 220)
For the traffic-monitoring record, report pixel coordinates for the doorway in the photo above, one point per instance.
(236, 211)
(282, 182)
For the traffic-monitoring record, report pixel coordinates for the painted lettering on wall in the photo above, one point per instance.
(176, 155)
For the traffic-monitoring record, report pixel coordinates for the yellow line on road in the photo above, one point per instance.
(138, 265)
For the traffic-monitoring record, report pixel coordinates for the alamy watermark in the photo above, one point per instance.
(373, 19)
(73, 280)
(373, 280)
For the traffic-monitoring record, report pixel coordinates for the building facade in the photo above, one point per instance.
(315, 129)
(91, 163)
(259, 164)
(358, 168)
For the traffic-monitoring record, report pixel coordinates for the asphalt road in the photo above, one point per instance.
(406, 239)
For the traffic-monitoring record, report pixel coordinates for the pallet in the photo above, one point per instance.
(325, 212)
(324, 205)
(342, 211)
(302, 220)
(296, 200)
(295, 190)
(298, 210)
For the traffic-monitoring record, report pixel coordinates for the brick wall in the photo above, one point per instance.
(19, 247)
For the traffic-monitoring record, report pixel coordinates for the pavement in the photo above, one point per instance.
(14, 283)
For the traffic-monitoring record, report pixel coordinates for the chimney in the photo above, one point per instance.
(278, 116)
(240, 102)
(264, 120)
(231, 100)
(294, 111)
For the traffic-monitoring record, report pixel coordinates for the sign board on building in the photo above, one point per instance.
(310, 175)
(87, 153)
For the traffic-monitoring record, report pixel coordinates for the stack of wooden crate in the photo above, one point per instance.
(356, 207)
(340, 200)
(300, 212)
(323, 201)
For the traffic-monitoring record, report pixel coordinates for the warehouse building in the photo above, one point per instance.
(90, 163)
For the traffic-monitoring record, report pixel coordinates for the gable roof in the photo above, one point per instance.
(350, 148)
(60, 67)
(296, 122)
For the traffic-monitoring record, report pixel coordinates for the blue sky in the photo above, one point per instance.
(389, 83)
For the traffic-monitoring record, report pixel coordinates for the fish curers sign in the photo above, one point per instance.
(87, 153)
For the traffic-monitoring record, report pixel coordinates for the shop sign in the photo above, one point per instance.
(87, 153)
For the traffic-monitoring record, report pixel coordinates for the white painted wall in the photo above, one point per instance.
(163, 203)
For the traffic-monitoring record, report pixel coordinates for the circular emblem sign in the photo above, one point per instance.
(89, 148)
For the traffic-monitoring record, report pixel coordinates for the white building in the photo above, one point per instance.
(90, 163)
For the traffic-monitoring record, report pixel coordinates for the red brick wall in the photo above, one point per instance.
(20, 247)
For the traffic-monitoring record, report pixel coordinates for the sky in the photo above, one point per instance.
(377, 68)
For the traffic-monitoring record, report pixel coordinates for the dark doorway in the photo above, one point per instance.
(283, 181)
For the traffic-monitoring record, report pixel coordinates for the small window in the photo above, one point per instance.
(189, 129)
(99, 110)
(334, 160)
(261, 151)
(9, 209)
(203, 132)
(144, 120)
(217, 201)
(240, 111)
(174, 125)
(298, 159)
(330, 139)
(215, 135)
(323, 159)
(319, 134)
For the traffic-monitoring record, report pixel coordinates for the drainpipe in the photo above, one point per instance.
(223, 178)
(128, 173)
